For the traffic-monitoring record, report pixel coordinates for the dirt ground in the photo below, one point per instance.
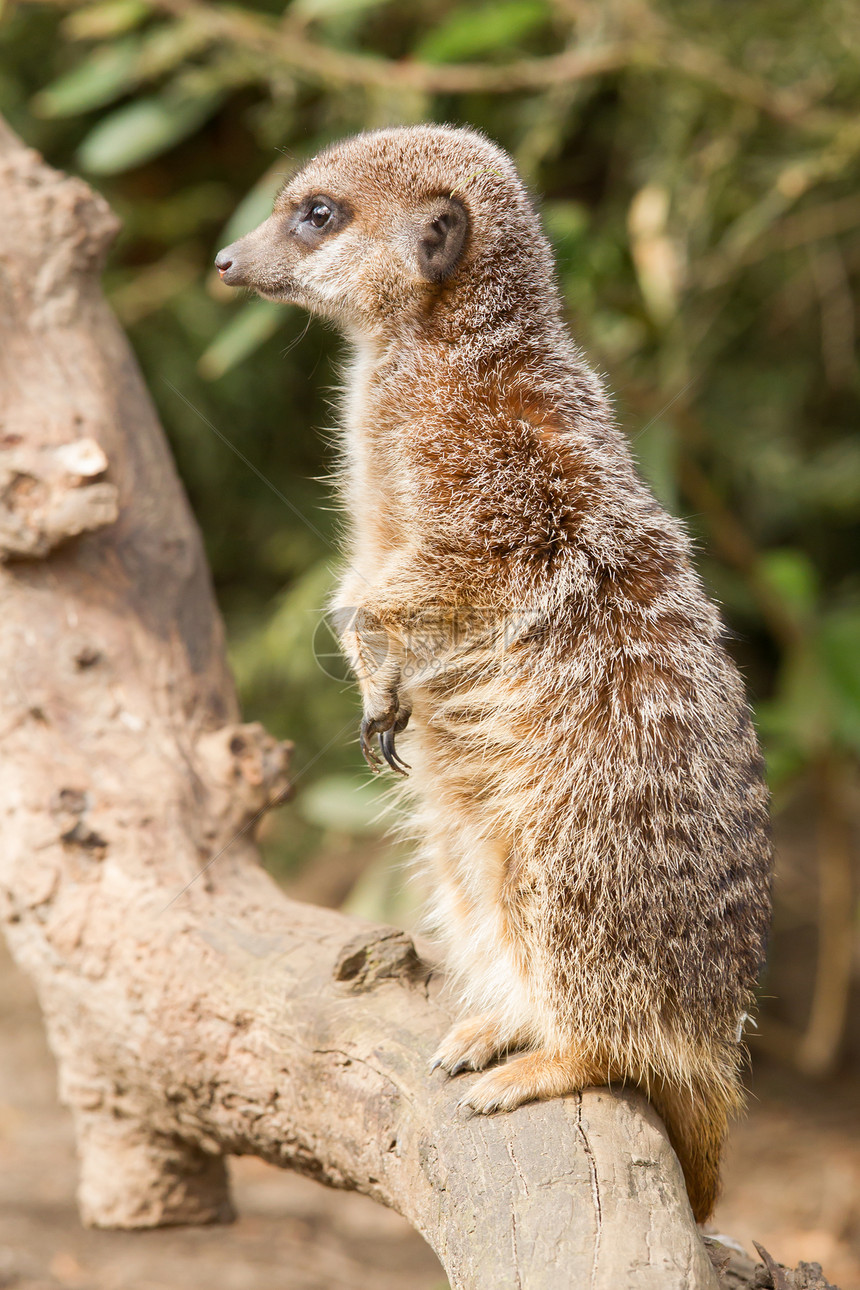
(792, 1182)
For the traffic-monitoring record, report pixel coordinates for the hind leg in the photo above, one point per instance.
(535, 1076)
(473, 1044)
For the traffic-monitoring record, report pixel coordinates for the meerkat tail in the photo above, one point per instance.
(696, 1121)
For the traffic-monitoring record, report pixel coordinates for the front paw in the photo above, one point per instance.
(392, 721)
(470, 1046)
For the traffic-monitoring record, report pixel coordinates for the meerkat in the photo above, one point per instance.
(532, 644)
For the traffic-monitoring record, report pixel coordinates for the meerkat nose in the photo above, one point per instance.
(224, 261)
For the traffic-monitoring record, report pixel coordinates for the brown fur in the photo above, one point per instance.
(587, 788)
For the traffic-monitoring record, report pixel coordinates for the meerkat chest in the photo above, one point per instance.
(374, 484)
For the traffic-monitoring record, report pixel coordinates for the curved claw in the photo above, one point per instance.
(367, 749)
(389, 752)
(385, 727)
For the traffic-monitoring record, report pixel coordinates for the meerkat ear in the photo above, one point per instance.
(441, 238)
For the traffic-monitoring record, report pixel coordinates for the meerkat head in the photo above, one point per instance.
(386, 228)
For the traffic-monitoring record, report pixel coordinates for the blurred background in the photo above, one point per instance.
(696, 165)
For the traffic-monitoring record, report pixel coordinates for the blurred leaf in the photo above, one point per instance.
(469, 33)
(656, 450)
(100, 79)
(830, 480)
(170, 44)
(815, 710)
(729, 588)
(791, 574)
(282, 646)
(133, 296)
(256, 206)
(617, 336)
(143, 129)
(345, 803)
(333, 8)
(658, 257)
(784, 760)
(247, 330)
(797, 722)
(118, 68)
(840, 651)
(566, 224)
(96, 21)
(171, 217)
(384, 894)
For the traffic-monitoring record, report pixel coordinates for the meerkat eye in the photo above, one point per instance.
(319, 215)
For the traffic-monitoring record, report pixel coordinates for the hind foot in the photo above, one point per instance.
(472, 1045)
(535, 1076)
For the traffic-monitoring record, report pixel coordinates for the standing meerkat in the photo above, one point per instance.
(530, 636)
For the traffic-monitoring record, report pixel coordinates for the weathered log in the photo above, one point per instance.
(194, 1011)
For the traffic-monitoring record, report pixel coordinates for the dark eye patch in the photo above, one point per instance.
(318, 216)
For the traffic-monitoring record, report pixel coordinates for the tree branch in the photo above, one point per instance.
(650, 43)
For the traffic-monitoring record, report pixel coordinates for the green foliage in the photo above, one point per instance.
(144, 129)
(245, 332)
(97, 21)
(471, 31)
(98, 80)
(700, 188)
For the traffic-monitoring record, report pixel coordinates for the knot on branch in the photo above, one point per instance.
(71, 807)
(50, 494)
(379, 955)
(246, 771)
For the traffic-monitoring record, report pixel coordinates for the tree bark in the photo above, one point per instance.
(194, 1011)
